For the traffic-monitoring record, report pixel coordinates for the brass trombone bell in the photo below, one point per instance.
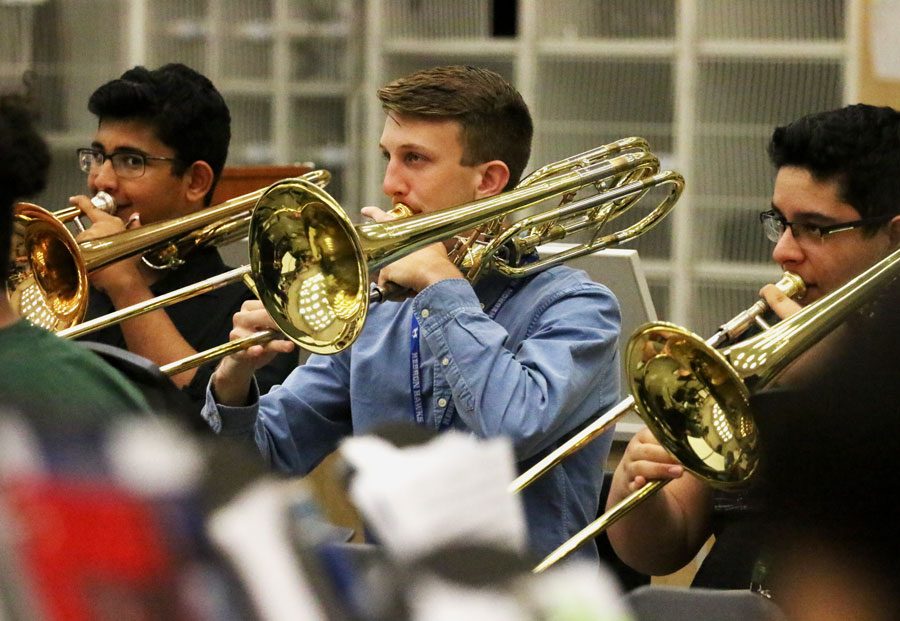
(789, 284)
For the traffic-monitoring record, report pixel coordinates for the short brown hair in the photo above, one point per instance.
(496, 123)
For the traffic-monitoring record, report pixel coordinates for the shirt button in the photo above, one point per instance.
(425, 313)
(442, 402)
(445, 361)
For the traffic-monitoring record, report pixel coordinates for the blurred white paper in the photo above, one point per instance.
(252, 531)
(452, 490)
(884, 38)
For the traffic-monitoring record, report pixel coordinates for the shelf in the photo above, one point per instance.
(315, 30)
(187, 29)
(734, 130)
(716, 271)
(475, 48)
(745, 273)
(619, 128)
(768, 49)
(319, 90)
(606, 48)
(244, 86)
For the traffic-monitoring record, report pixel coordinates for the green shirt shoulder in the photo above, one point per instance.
(43, 375)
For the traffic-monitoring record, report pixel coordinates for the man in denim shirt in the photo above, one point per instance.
(531, 360)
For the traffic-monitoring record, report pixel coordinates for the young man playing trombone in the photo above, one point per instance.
(161, 143)
(530, 360)
(834, 213)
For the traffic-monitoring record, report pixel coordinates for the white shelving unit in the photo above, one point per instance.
(287, 69)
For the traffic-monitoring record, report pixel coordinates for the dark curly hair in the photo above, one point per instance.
(858, 146)
(182, 105)
(24, 160)
(496, 123)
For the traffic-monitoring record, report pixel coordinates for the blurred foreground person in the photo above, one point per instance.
(830, 446)
(40, 374)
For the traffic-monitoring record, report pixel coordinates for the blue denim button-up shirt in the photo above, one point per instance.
(542, 367)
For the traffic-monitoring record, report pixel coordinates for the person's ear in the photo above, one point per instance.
(494, 177)
(199, 179)
(893, 228)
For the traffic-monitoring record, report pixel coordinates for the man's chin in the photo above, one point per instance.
(812, 294)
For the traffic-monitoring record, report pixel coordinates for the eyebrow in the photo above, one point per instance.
(409, 146)
(810, 216)
(126, 149)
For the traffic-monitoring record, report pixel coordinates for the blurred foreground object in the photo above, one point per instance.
(106, 522)
(830, 446)
(454, 538)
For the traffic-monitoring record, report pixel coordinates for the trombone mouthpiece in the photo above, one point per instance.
(792, 285)
(400, 211)
(104, 202)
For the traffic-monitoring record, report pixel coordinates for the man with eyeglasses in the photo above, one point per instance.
(835, 212)
(159, 149)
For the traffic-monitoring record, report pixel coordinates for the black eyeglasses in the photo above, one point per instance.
(126, 164)
(774, 226)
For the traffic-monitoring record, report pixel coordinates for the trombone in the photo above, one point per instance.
(310, 265)
(48, 282)
(695, 398)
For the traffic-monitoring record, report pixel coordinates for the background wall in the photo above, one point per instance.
(875, 89)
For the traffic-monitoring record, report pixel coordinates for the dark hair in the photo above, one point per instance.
(858, 146)
(496, 124)
(183, 107)
(24, 160)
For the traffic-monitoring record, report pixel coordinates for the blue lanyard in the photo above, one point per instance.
(415, 371)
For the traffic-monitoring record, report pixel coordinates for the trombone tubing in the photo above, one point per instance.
(381, 240)
(161, 301)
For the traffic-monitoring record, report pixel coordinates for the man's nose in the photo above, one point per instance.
(393, 183)
(103, 177)
(787, 250)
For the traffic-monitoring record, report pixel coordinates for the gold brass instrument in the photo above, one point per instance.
(48, 282)
(695, 398)
(516, 240)
(310, 265)
(499, 245)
